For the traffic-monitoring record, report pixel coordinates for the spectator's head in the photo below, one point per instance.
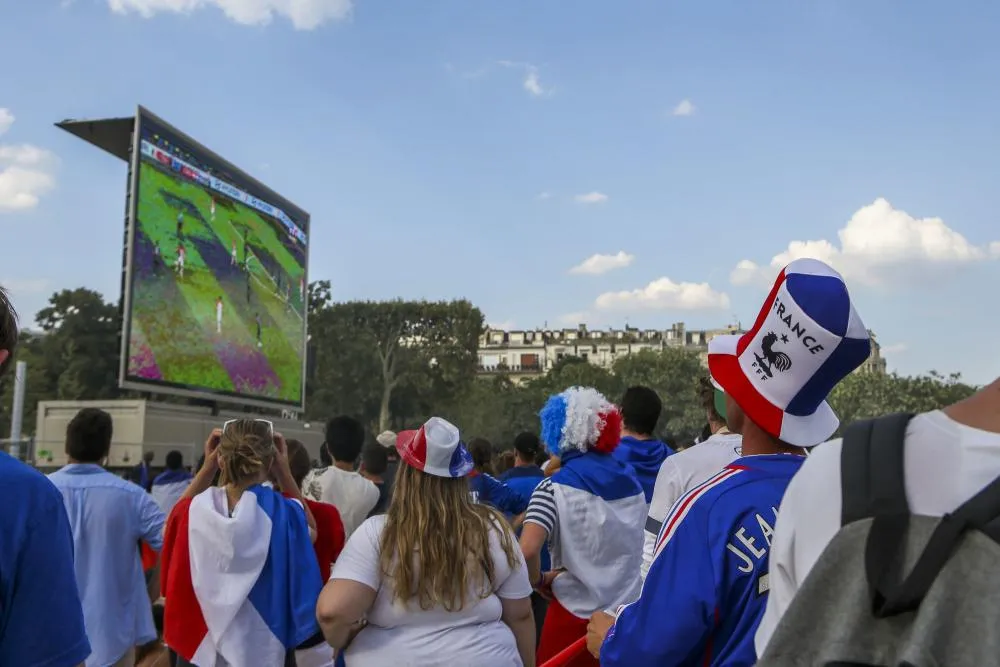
(246, 451)
(580, 419)
(345, 436)
(8, 332)
(88, 436)
(777, 376)
(504, 462)
(482, 455)
(298, 460)
(526, 448)
(433, 516)
(713, 403)
(324, 457)
(148, 457)
(374, 459)
(641, 409)
(175, 460)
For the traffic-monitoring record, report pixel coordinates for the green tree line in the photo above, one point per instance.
(392, 364)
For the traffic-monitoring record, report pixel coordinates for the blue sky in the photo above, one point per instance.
(484, 149)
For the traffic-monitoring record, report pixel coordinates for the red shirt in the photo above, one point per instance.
(329, 535)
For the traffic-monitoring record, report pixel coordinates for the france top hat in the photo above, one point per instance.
(806, 339)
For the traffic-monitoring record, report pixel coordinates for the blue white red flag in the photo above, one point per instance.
(240, 589)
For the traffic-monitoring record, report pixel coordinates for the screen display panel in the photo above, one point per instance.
(216, 270)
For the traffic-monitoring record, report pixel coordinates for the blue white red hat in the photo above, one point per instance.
(580, 418)
(807, 338)
(436, 449)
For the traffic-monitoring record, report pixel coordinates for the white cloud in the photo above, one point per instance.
(543, 195)
(25, 171)
(532, 79)
(684, 108)
(665, 294)
(532, 83)
(595, 265)
(879, 245)
(303, 14)
(591, 198)
(6, 120)
(895, 348)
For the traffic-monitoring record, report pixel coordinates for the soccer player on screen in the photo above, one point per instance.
(256, 318)
(232, 254)
(179, 264)
(218, 315)
(212, 210)
(180, 225)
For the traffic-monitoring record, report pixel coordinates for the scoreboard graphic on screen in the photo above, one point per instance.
(216, 277)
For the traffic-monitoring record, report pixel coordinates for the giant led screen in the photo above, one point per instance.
(215, 298)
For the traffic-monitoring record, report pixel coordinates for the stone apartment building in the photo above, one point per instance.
(526, 354)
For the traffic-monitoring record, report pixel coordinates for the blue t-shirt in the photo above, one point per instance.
(707, 587)
(41, 619)
(522, 480)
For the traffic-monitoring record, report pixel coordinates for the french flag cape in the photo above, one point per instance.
(168, 487)
(602, 510)
(240, 591)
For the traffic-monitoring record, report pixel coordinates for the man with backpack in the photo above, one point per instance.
(864, 570)
(710, 571)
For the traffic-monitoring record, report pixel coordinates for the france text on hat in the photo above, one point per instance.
(806, 339)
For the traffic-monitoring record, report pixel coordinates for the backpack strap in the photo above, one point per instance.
(872, 480)
(981, 512)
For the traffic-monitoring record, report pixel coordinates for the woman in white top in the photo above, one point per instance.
(459, 595)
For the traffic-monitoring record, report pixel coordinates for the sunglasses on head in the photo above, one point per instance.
(269, 423)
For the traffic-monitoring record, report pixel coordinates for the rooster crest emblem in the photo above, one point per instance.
(772, 360)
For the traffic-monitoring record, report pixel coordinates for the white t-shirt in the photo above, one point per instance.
(679, 474)
(353, 495)
(401, 636)
(945, 464)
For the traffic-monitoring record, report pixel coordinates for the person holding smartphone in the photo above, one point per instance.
(238, 571)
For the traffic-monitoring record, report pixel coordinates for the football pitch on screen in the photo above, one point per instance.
(237, 255)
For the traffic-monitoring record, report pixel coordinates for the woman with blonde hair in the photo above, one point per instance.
(438, 579)
(238, 571)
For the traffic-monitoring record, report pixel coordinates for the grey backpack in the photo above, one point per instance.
(893, 589)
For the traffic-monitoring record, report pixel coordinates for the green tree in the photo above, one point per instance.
(368, 353)
(577, 372)
(74, 356)
(673, 373)
(863, 395)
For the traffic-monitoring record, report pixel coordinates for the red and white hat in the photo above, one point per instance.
(436, 449)
(807, 338)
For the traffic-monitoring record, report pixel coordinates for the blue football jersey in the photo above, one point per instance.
(707, 587)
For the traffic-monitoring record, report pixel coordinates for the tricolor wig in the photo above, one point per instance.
(580, 418)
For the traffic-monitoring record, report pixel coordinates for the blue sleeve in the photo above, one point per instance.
(151, 521)
(671, 621)
(503, 497)
(44, 588)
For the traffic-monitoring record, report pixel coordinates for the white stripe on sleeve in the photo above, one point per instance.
(542, 506)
